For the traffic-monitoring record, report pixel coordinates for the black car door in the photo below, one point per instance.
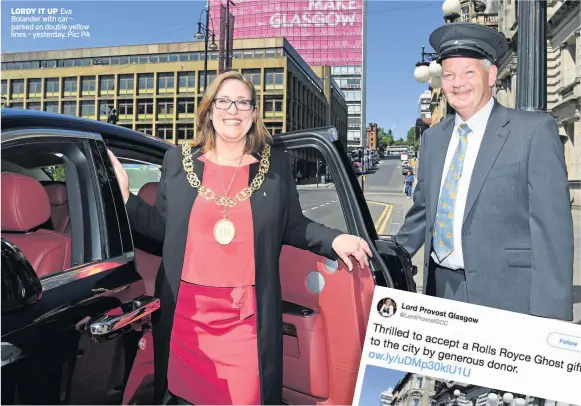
(75, 342)
(326, 308)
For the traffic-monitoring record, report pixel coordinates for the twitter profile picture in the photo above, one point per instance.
(386, 307)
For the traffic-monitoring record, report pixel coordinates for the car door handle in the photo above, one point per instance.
(114, 321)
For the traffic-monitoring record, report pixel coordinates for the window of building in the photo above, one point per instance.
(106, 85)
(465, 13)
(104, 107)
(185, 131)
(17, 88)
(88, 86)
(16, 105)
(125, 109)
(273, 78)
(210, 78)
(165, 82)
(354, 109)
(33, 106)
(70, 87)
(353, 135)
(146, 85)
(4, 88)
(185, 108)
(164, 131)
(144, 109)
(419, 381)
(51, 87)
(187, 82)
(253, 75)
(165, 108)
(272, 106)
(34, 88)
(51, 107)
(354, 122)
(126, 84)
(88, 109)
(70, 108)
(145, 128)
(274, 128)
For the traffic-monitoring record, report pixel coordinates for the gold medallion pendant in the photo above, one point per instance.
(224, 231)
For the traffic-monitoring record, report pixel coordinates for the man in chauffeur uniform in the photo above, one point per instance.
(492, 201)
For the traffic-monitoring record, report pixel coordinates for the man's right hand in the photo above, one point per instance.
(122, 177)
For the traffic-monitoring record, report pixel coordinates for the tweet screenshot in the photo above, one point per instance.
(419, 346)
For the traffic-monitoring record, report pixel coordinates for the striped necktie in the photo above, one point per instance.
(443, 239)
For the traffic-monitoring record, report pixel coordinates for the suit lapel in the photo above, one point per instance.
(494, 138)
(190, 193)
(440, 149)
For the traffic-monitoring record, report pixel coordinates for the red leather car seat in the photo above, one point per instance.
(59, 208)
(147, 264)
(25, 206)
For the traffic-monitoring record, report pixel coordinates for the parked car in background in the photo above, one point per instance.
(78, 290)
(405, 167)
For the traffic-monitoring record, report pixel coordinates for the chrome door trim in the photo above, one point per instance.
(141, 307)
(31, 133)
(84, 271)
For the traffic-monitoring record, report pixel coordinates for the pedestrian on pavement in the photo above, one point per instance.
(409, 184)
(218, 339)
(491, 205)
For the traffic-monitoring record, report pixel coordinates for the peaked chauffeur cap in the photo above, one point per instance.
(468, 40)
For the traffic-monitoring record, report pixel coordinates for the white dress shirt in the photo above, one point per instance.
(477, 123)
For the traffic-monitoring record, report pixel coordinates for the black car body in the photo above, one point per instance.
(80, 334)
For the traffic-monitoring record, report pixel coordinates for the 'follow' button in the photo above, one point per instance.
(564, 341)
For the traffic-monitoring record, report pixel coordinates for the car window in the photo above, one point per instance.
(140, 173)
(56, 172)
(61, 168)
(316, 188)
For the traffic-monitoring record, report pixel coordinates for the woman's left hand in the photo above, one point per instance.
(347, 245)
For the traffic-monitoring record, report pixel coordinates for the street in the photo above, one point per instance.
(388, 205)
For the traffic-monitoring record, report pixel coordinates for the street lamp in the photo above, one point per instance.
(452, 10)
(456, 396)
(428, 70)
(507, 399)
(204, 32)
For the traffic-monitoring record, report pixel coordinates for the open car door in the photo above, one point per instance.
(326, 308)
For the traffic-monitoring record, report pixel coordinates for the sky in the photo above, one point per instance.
(396, 32)
(375, 381)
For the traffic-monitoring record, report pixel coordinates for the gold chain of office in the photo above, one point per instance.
(188, 163)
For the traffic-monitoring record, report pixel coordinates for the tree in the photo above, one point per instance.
(57, 173)
(384, 140)
(412, 142)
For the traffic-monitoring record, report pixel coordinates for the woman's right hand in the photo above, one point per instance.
(122, 177)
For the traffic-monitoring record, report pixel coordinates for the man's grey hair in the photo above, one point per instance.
(486, 63)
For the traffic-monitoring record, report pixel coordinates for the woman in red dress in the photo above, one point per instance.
(226, 205)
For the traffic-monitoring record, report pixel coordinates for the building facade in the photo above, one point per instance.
(323, 32)
(425, 104)
(386, 397)
(372, 136)
(563, 71)
(156, 88)
(563, 76)
(414, 390)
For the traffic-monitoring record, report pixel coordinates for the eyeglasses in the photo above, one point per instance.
(225, 104)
